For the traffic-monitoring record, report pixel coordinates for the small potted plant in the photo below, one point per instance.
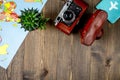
(31, 19)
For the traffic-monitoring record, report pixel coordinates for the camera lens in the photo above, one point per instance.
(68, 15)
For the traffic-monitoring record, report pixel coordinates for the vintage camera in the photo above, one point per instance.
(70, 15)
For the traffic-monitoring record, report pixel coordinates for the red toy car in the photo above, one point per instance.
(93, 28)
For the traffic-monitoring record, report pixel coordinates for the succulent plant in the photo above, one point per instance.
(31, 19)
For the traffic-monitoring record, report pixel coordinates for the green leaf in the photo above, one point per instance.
(31, 19)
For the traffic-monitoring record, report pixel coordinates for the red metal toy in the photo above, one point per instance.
(93, 28)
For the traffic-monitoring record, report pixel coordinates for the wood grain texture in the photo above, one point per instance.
(51, 55)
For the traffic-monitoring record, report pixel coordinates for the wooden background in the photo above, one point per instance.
(51, 55)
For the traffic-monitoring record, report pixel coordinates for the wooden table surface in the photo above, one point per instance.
(51, 55)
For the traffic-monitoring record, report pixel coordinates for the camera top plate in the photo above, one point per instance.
(60, 15)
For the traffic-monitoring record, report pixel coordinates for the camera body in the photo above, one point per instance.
(70, 15)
